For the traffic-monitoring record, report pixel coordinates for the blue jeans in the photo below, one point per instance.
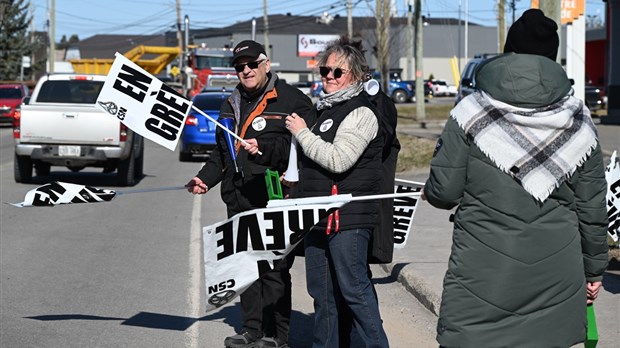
(338, 280)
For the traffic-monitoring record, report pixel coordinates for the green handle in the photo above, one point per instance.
(274, 188)
(592, 334)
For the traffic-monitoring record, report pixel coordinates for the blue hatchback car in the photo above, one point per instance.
(198, 137)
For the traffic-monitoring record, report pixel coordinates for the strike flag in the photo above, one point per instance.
(404, 208)
(612, 175)
(57, 192)
(143, 103)
(239, 250)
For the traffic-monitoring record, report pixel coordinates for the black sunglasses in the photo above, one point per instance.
(251, 65)
(324, 71)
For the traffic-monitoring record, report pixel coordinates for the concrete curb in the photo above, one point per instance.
(417, 286)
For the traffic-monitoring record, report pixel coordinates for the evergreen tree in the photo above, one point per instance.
(14, 37)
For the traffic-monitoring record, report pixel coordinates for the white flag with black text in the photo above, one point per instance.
(612, 175)
(239, 250)
(143, 103)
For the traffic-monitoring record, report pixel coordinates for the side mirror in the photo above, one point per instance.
(467, 82)
(26, 100)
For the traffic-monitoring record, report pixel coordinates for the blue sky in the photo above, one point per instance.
(90, 17)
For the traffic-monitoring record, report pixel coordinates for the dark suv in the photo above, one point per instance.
(468, 76)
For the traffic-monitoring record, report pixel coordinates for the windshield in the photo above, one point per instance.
(205, 62)
(10, 93)
(209, 102)
(70, 91)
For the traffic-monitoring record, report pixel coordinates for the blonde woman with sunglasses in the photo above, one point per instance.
(342, 155)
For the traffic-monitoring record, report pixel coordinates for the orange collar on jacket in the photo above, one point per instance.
(262, 105)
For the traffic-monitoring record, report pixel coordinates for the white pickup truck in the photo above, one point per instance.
(59, 125)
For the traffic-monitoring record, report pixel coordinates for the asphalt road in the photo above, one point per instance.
(128, 273)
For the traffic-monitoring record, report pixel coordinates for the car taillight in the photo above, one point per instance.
(123, 133)
(191, 120)
(16, 123)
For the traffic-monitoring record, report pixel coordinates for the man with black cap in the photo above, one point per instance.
(257, 108)
(521, 160)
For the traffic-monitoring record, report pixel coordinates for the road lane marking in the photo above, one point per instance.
(195, 272)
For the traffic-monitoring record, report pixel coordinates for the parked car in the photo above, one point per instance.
(305, 87)
(441, 88)
(11, 96)
(428, 89)
(594, 98)
(221, 83)
(198, 136)
(468, 77)
(316, 88)
(399, 91)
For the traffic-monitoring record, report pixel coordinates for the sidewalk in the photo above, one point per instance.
(422, 264)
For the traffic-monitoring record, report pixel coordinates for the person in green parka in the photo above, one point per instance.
(521, 161)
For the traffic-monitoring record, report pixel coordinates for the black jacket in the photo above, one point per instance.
(381, 249)
(261, 118)
(364, 178)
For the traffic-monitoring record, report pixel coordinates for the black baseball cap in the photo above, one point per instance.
(248, 48)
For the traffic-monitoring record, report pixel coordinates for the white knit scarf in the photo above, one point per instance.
(540, 148)
(326, 101)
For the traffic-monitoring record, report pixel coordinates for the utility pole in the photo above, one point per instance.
(184, 55)
(466, 31)
(266, 29)
(52, 34)
(179, 31)
(410, 40)
(383, 54)
(350, 19)
(501, 25)
(553, 10)
(513, 8)
(32, 39)
(458, 49)
(613, 75)
(184, 77)
(419, 73)
(253, 29)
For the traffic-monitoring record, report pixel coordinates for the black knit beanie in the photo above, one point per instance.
(533, 33)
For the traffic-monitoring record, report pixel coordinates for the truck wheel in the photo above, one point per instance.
(139, 166)
(185, 157)
(127, 171)
(22, 168)
(42, 169)
(399, 96)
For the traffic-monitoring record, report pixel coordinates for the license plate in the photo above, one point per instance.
(64, 150)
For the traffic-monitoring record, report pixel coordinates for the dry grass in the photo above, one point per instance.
(415, 153)
(407, 112)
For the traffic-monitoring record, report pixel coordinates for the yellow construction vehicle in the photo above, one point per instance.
(164, 55)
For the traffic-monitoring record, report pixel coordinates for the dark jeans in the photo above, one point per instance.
(266, 304)
(338, 281)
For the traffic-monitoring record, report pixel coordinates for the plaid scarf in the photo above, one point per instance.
(540, 148)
